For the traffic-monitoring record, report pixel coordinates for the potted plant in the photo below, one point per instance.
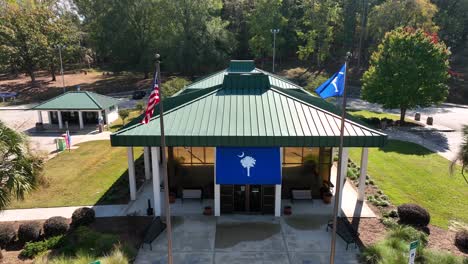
(326, 191)
(207, 210)
(327, 196)
(172, 197)
(287, 210)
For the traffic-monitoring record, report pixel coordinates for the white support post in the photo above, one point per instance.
(278, 188)
(99, 115)
(217, 191)
(39, 115)
(146, 157)
(131, 173)
(344, 172)
(80, 119)
(363, 174)
(49, 116)
(59, 115)
(156, 181)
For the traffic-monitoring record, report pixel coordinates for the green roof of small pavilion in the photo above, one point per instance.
(78, 100)
(244, 106)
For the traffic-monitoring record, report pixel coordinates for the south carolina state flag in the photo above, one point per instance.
(333, 86)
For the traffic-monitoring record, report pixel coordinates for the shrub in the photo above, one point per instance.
(32, 249)
(435, 257)
(83, 216)
(55, 226)
(408, 234)
(414, 215)
(29, 232)
(7, 234)
(461, 240)
(117, 256)
(83, 238)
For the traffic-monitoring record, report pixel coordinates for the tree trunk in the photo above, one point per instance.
(402, 115)
(52, 72)
(146, 74)
(32, 75)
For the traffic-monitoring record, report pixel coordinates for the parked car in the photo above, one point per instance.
(138, 95)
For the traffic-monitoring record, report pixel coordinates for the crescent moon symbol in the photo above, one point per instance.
(241, 155)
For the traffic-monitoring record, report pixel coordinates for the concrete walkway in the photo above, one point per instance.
(248, 239)
(45, 213)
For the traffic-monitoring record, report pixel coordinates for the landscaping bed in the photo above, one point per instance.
(383, 188)
(125, 233)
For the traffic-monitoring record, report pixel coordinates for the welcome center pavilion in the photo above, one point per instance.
(246, 139)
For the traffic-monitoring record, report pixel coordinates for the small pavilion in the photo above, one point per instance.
(79, 108)
(246, 138)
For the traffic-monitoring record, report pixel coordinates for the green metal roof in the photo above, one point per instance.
(246, 110)
(78, 100)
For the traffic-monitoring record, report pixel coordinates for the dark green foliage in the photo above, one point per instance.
(462, 155)
(461, 240)
(84, 238)
(7, 234)
(173, 85)
(55, 226)
(123, 114)
(29, 232)
(413, 215)
(409, 69)
(32, 249)
(83, 216)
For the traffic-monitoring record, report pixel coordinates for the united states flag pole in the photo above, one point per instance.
(338, 173)
(155, 98)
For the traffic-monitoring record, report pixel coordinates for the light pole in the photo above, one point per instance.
(274, 32)
(61, 66)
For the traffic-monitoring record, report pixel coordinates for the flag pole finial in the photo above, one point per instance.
(156, 57)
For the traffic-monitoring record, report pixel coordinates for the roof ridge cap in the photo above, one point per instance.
(279, 77)
(92, 99)
(324, 111)
(219, 87)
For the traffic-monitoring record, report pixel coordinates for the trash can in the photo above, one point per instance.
(60, 143)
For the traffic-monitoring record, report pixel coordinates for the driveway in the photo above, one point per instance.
(451, 116)
(248, 239)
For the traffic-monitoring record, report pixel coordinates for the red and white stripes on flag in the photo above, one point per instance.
(152, 101)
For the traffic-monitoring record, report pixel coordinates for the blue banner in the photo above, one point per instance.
(240, 165)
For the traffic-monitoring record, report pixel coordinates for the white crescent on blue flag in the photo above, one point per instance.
(333, 86)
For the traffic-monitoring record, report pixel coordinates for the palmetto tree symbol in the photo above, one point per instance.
(248, 162)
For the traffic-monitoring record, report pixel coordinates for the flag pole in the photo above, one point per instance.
(164, 166)
(338, 174)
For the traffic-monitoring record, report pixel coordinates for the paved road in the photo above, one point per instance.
(448, 115)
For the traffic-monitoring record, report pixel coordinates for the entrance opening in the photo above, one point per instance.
(248, 199)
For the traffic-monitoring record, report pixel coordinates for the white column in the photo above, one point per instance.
(39, 115)
(278, 188)
(156, 181)
(99, 115)
(217, 191)
(344, 171)
(49, 116)
(131, 173)
(146, 157)
(363, 174)
(80, 118)
(59, 114)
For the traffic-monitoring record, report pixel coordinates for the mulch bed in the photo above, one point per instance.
(129, 229)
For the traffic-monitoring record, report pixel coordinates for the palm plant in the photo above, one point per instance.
(19, 167)
(462, 155)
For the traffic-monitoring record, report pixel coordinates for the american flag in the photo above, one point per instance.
(152, 101)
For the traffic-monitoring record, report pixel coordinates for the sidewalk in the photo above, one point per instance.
(45, 213)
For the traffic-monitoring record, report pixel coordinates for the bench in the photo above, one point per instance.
(345, 231)
(301, 194)
(152, 232)
(192, 194)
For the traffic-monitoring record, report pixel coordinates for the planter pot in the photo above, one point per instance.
(172, 198)
(327, 198)
(287, 210)
(208, 211)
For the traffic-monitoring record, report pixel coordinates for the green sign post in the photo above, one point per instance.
(412, 252)
(96, 262)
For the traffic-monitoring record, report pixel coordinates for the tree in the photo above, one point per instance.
(29, 30)
(266, 16)
(409, 69)
(20, 169)
(248, 162)
(462, 155)
(392, 14)
(124, 113)
(322, 24)
(453, 21)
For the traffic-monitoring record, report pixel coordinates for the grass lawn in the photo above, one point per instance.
(117, 124)
(371, 114)
(410, 173)
(82, 177)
